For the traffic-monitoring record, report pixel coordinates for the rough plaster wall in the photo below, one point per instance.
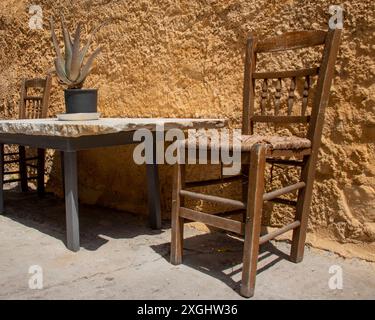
(185, 59)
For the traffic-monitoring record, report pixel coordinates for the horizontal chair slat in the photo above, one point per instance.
(292, 40)
(286, 74)
(229, 212)
(11, 172)
(287, 202)
(11, 154)
(35, 83)
(11, 180)
(276, 193)
(290, 153)
(278, 232)
(33, 98)
(281, 119)
(11, 161)
(286, 162)
(17, 180)
(212, 220)
(18, 160)
(215, 199)
(203, 183)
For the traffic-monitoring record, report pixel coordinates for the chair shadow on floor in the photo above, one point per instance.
(97, 224)
(219, 255)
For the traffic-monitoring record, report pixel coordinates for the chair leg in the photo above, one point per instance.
(23, 168)
(40, 172)
(177, 236)
(244, 187)
(303, 209)
(253, 220)
(2, 178)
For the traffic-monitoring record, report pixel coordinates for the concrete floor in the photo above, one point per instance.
(120, 258)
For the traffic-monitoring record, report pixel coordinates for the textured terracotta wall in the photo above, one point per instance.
(185, 59)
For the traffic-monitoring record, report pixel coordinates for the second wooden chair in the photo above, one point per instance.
(300, 152)
(34, 102)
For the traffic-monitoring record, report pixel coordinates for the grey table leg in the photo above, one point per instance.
(71, 200)
(153, 189)
(2, 178)
(40, 172)
(23, 168)
(62, 170)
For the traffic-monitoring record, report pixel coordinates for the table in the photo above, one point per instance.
(72, 136)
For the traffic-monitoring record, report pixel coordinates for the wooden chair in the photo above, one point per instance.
(35, 94)
(256, 150)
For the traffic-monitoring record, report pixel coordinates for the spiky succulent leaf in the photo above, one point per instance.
(86, 47)
(54, 41)
(75, 66)
(71, 70)
(61, 72)
(87, 67)
(68, 46)
(63, 21)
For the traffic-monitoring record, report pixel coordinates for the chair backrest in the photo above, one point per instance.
(35, 94)
(324, 73)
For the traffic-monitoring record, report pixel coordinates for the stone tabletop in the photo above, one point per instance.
(71, 129)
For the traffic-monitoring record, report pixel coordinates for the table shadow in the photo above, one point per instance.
(47, 214)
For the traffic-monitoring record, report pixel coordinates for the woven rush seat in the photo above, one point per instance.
(205, 140)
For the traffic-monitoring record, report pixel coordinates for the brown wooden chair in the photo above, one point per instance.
(256, 150)
(34, 101)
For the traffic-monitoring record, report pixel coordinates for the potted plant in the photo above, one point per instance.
(72, 70)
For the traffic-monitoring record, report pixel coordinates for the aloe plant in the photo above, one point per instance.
(72, 69)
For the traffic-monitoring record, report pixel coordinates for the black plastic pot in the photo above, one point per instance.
(81, 100)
